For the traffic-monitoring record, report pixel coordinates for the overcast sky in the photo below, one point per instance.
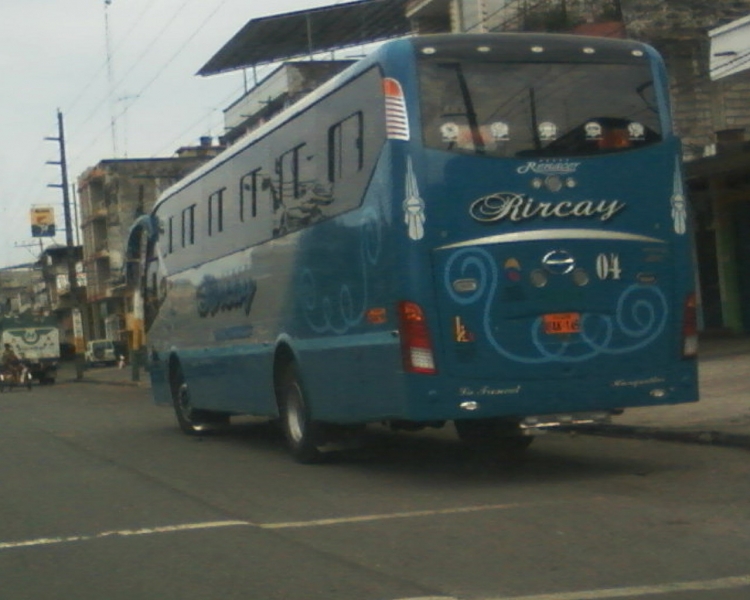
(53, 55)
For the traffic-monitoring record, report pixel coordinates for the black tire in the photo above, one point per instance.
(500, 435)
(193, 421)
(301, 432)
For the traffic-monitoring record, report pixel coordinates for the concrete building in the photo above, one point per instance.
(55, 280)
(18, 285)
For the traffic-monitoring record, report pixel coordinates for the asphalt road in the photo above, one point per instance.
(101, 497)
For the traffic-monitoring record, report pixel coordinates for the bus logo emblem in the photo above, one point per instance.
(559, 262)
(565, 167)
(514, 207)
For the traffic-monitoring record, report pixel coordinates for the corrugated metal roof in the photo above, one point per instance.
(306, 32)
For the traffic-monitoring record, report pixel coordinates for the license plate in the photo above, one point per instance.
(558, 323)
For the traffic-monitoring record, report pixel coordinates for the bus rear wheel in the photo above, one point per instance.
(193, 421)
(501, 435)
(301, 432)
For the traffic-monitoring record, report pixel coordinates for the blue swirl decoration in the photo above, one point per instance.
(639, 317)
(335, 309)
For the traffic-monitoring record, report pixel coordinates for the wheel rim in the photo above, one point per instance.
(183, 404)
(294, 417)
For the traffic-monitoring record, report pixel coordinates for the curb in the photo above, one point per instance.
(706, 437)
(103, 382)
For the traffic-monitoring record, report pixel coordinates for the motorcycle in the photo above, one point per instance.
(11, 377)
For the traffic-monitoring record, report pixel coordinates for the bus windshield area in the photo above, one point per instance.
(537, 109)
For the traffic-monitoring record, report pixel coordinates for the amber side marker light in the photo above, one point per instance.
(416, 345)
(376, 316)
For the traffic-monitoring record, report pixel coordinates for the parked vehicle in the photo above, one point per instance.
(36, 341)
(100, 352)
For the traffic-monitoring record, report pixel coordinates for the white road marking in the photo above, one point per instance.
(386, 516)
(121, 533)
(602, 594)
(724, 583)
(217, 524)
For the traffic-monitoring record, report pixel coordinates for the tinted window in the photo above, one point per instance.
(537, 109)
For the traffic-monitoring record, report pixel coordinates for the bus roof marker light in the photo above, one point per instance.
(553, 183)
(637, 52)
(589, 50)
(483, 49)
(428, 50)
(537, 49)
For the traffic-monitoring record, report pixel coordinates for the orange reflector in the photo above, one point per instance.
(377, 316)
(392, 88)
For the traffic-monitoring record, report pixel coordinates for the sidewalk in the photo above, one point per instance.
(105, 375)
(721, 417)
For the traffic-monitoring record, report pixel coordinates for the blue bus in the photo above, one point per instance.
(489, 230)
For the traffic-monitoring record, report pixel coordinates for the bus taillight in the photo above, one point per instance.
(690, 327)
(416, 347)
(396, 117)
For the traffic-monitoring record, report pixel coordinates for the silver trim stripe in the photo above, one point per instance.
(555, 234)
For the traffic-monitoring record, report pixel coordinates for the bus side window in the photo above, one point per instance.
(288, 168)
(296, 177)
(345, 147)
(188, 226)
(251, 185)
(216, 212)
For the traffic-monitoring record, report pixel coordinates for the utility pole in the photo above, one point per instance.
(71, 259)
(110, 79)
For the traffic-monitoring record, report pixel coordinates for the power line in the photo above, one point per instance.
(139, 94)
(171, 21)
(103, 66)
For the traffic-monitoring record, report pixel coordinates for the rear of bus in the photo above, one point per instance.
(547, 261)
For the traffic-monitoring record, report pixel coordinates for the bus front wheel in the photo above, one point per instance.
(493, 434)
(300, 431)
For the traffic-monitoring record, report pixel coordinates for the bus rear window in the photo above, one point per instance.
(537, 109)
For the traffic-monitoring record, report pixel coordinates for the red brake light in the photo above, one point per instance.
(416, 347)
